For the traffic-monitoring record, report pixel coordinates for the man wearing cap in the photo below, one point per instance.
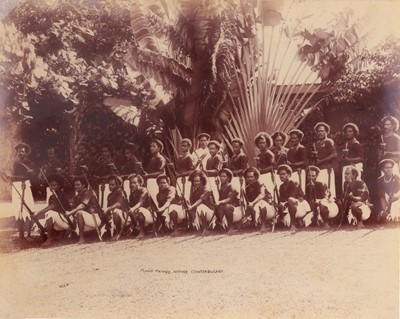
(228, 206)
(23, 172)
(258, 200)
(201, 205)
(168, 207)
(238, 162)
(213, 165)
(358, 196)
(389, 191)
(265, 160)
(391, 141)
(292, 199)
(297, 157)
(326, 156)
(117, 203)
(54, 212)
(155, 167)
(352, 154)
(184, 166)
(85, 209)
(324, 208)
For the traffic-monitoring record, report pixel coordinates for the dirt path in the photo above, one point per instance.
(342, 274)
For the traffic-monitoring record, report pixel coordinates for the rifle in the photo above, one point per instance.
(97, 201)
(23, 204)
(70, 223)
(390, 199)
(345, 204)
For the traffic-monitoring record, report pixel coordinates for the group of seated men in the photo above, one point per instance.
(287, 187)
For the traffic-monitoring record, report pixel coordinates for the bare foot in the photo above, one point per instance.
(232, 231)
(326, 226)
(81, 241)
(293, 228)
(360, 225)
(47, 243)
(175, 233)
(140, 236)
(205, 232)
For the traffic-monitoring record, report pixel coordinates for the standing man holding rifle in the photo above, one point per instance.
(23, 172)
(297, 157)
(390, 146)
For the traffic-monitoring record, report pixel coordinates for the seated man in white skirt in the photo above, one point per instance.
(326, 156)
(139, 206)
(168, 207)
(389, 191)
(228, 206)
(201, 202)
(86, 208)
(360, 208)
(322, 204)
(295, 208)
(258, 200)
(54, 212)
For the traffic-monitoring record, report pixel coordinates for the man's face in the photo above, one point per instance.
(278, 141)
(312, 176)
(250, 178)
(349, 133)
(128, 154)
(112, 185)
(294, 139)
(134, 184)
(213, 149)
(82, 151)
(105, 152)
(185, 147)
(21, 152)
(51, 154)
(321, 132)
(163, 184)
(78, 186)
(388, 169)
(283, 175)
(347, 175)
(197, 182)
(154, 148)
(203, 142)
(224, 178)
(236, 147)
(262, 144)
(387, 126)
(54, 186)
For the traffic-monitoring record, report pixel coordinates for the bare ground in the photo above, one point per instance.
(311, 274)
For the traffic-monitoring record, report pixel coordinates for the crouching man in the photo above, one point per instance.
(116, 203)
(297, 210)
(228, 206)
(86, 208)
(358, 194)
(318, 196)
(54, 212)
(389, 191)
(139, 204)
(258, 199)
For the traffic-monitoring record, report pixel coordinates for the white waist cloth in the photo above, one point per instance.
(323, 177)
